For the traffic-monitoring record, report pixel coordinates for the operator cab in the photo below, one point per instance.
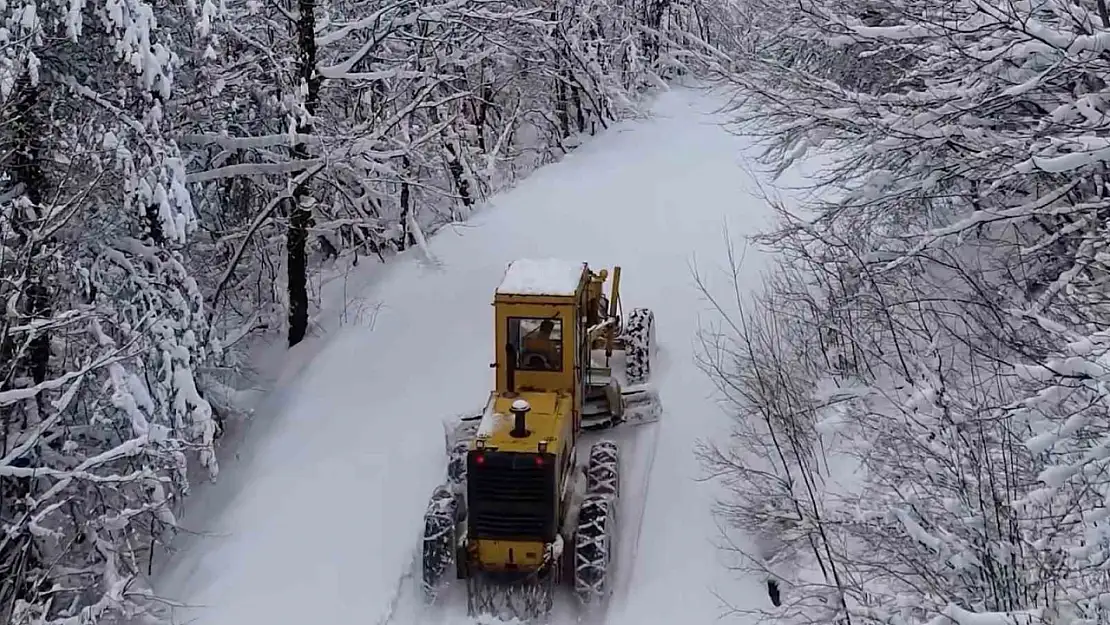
(536, 307)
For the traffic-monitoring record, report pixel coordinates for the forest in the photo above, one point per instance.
(942, 456)
(175, 177)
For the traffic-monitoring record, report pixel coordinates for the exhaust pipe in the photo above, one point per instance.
(520, 408)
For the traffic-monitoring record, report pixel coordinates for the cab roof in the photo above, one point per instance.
(542, 276)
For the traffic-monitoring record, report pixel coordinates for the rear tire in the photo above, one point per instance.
(593, 546)
(639, 341)
(438, 544)
(596, 528)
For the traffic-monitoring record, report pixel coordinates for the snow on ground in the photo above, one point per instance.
(322, 511)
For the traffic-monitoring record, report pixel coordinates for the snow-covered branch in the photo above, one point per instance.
(947, 287)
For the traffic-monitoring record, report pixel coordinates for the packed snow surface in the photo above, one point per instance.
(544, 276)
(317, 517)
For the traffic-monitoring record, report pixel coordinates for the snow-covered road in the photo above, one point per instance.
(324, 510)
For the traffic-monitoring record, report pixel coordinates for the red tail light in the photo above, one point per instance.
(539, 461)
(479, 459)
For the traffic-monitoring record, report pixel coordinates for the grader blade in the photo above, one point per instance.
(641, 404)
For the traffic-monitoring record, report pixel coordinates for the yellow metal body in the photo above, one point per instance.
(508, 555)
(550, 420)
(556, 358)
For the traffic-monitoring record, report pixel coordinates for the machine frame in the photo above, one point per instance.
(521, 512)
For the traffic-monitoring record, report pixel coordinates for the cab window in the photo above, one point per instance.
(538, 343)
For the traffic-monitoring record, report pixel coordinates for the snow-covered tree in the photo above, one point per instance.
(421, 110)
(952, 275)
(103, 326)
(166, 172)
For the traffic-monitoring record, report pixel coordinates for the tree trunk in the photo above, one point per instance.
(25, 168)
(297, 269)
(562, 107)
(481, 108)
(454, 163)
(19, 560)
(580, 115)
(300, 209)
(653, 19)
(408, 238)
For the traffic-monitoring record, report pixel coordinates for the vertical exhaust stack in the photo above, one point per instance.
(519, 409)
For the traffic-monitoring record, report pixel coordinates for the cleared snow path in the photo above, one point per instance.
(325, 509)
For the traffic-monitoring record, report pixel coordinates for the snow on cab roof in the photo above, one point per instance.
(541, 276)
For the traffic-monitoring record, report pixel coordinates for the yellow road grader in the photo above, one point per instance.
(522, 513)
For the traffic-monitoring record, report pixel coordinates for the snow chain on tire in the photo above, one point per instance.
(594, 536)
(601, 472)
(639, 340)
(438, 544)
(593, 547)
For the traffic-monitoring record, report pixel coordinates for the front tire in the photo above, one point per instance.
(603, 469)
(639, 341)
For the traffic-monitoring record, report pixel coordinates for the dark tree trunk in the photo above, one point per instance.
(300, 212)
(19, 560)
(408, 238)
(562, 106)
(297, 270)
(38, 350)
(481, 114)
(457, 173)
(154, 232)
(653, 19)
(454, 163)
(25, 168)
(579, 113)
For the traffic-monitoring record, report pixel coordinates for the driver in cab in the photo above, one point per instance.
(541, 352)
